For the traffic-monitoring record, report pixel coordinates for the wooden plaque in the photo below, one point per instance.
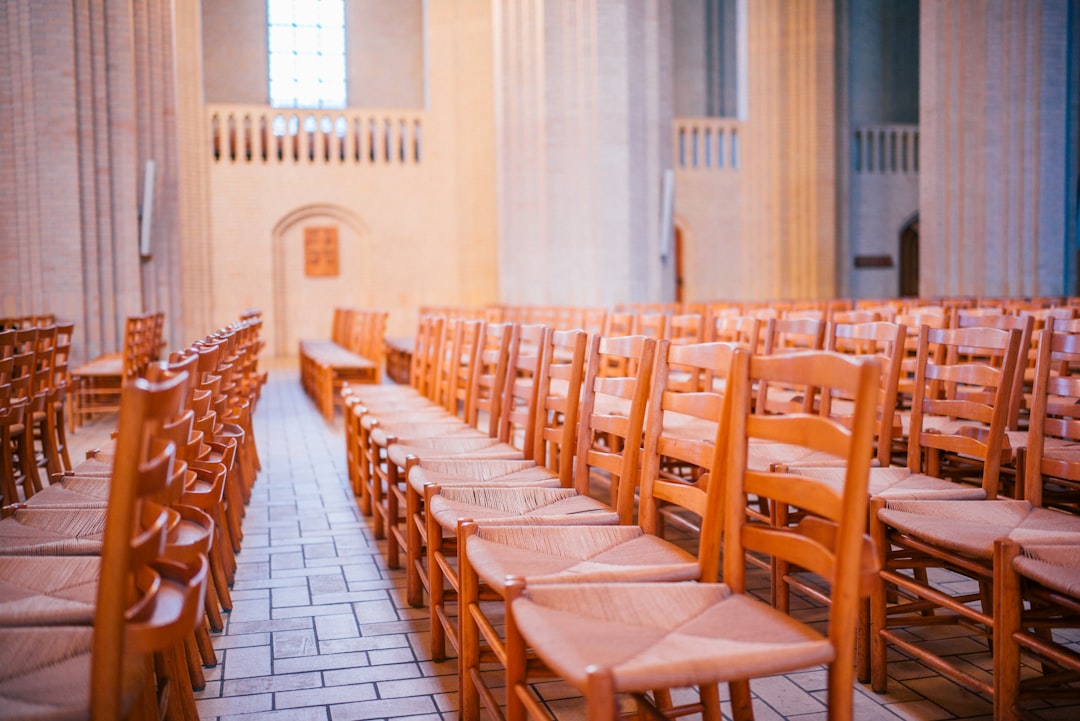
(321, 251)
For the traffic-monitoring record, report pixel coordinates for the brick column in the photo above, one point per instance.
(584, 104)
(993, 98)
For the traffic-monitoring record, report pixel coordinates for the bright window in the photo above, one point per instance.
(307, 53)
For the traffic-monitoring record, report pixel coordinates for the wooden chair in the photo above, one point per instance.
(686, 329)
(541, 404)
(598, 440)
(1022, 323)
(1037, 586)
(612, 638)
(52, 428)
(1037, 589)
(146, 602)
(20, 346)
(12, 415)
(789, 335)
(582, 554)
(957, 536)
(483, 404)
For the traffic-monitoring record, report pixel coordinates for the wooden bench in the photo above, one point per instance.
(399, 352)
(353, 354)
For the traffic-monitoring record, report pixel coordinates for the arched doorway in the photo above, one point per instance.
(909, 258)
(303, 302)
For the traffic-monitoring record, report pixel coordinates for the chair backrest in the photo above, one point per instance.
(489, 377)
(688, 430)
(884, 341)
(517, 412)
(558, 401)
(789, 335)
(22, 346)
(745, 330)
(619, 323)
(62, 356)
(829, 540)
(651, 325)
(972, 318)
(135, 532)
(458, 366)
(1051, 477)
(44, 357)
(426, 360)
(612, 418)
(964, 374)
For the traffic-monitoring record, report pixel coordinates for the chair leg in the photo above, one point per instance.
(194, 663)
(31, 482)
(8, 488)
(416, 533)
(206, 646)
(59, 431)
(436, 586)
(742, 707)
(1007, 620)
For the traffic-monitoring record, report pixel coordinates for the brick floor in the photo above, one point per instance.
(320, 628)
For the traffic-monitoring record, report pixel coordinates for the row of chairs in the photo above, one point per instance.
(951, 354)
(576, 438)
(113, 573)
(353, 354)
(96, 385)
(34, 386)
(27, 321)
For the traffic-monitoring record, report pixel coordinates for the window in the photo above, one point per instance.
(307, 53)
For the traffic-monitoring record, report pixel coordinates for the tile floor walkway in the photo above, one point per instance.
(320, 629)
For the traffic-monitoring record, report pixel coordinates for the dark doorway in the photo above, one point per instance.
(909, 259)
(679, 281)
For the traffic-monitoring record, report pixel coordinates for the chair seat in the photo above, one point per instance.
(764, 456)
(51, 590)
(419, 433)
(497, 471)
(521, 505)
(970, 528)
(49, 532)
(449, 447)
(662, 635)
(544, 554)
(681, 425)
(74, 489)
(52, 679)
(897, 482)
(1055, 566)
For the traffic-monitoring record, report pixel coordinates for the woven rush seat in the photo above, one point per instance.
(704, 635)
(971, 528)
(73, 489)
(1055, 566)
(896, 482)
(447, 447)
(470, 471)
(418, 434)
(576, 554)
(52, 679)
(46, 531)
(48, 590)
(522, 505)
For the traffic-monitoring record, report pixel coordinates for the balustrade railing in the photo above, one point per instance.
(885, 149)
(707, 143)
(264, 135)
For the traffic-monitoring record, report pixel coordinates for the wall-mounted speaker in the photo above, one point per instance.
(146, 210)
